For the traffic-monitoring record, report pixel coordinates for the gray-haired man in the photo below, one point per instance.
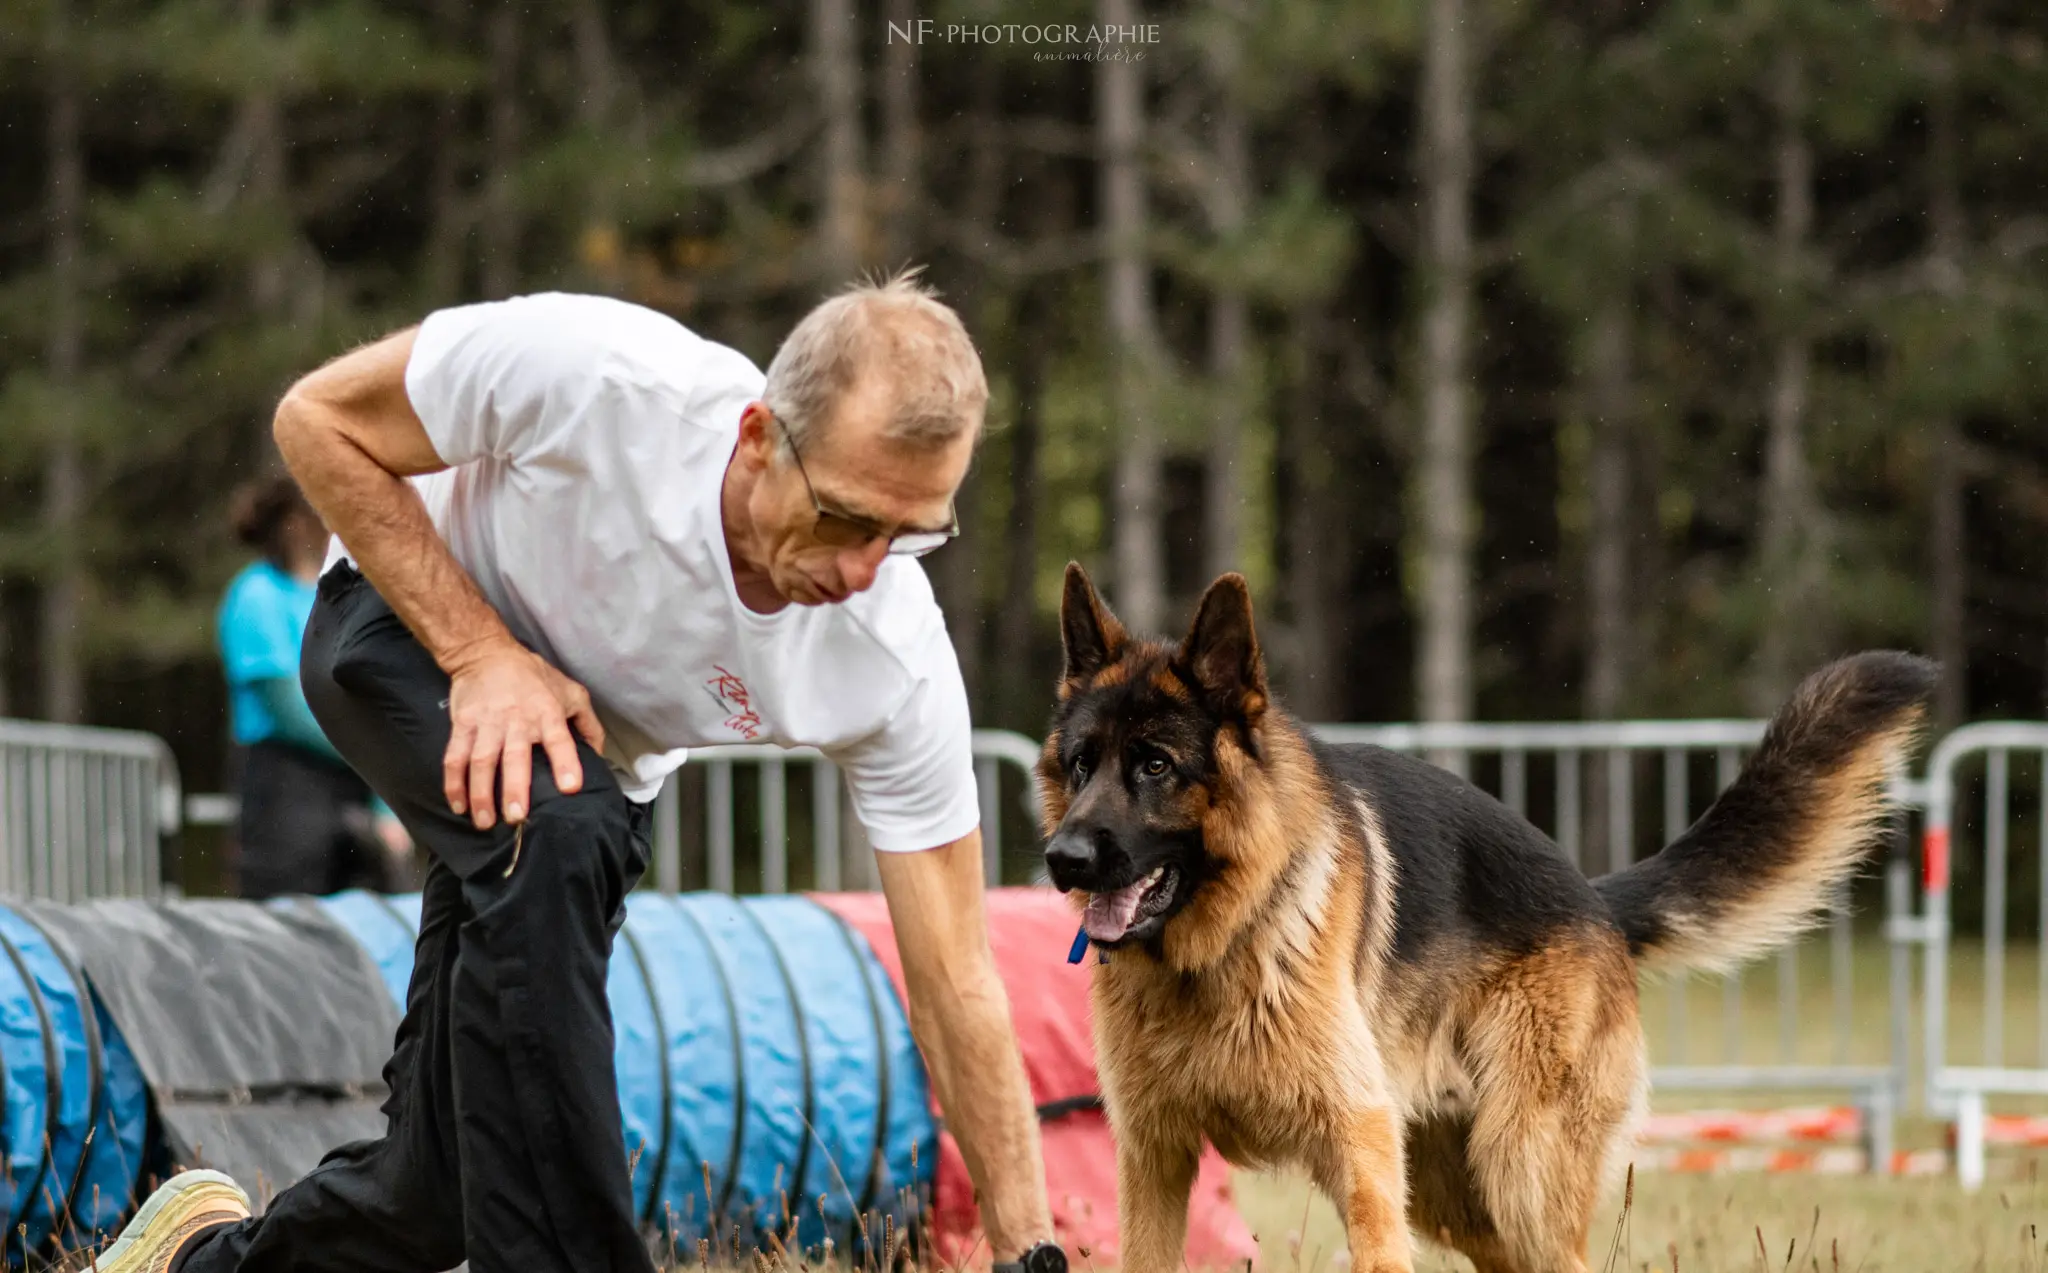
(573, 540)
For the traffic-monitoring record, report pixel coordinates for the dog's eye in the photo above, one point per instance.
(1080, 769)
(1156, 767)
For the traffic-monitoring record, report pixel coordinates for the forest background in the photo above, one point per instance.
(1534, 360)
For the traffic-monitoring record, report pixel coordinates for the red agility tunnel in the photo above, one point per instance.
(1031, 931)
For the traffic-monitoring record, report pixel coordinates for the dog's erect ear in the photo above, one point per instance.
(1092, 636)
(1221, 653)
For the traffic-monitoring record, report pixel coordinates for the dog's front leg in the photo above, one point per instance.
(1370, 1187)
(1153, 1180)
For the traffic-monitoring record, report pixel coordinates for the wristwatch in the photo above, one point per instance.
(1046, 1257)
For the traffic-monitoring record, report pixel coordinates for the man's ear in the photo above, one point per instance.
(758, 435)
(1091, 635)
(1221, 653)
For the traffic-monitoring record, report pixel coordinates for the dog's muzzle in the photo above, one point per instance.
(1074, 857)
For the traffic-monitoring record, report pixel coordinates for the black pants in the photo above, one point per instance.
(503, 1144)
(305, 824)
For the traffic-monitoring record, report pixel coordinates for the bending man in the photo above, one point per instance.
(573, 540)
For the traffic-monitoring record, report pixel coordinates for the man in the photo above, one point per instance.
(574, 539)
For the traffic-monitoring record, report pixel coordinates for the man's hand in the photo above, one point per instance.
(392, 835)
(503, 699)
(398, 873)
(961, 1017)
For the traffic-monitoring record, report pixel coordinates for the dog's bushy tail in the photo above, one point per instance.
(1771, 855)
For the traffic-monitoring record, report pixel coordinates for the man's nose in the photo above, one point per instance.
(859, 566)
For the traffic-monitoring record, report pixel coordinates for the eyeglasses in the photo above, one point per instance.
(846, 530)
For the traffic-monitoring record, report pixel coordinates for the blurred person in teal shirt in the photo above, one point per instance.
(308, 823)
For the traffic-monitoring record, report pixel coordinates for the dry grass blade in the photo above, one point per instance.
(1628, 1202)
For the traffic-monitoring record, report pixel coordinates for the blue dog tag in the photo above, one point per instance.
(1079, 948)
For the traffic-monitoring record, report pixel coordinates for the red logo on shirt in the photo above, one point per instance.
(731, 693)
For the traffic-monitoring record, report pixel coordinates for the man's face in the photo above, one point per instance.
(845, 466)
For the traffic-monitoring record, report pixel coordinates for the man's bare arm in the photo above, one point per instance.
(349, 434)
(961, 1017)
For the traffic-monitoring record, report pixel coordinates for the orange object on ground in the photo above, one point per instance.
(1030, 930)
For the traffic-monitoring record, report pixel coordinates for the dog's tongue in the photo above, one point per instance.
(1110, 915)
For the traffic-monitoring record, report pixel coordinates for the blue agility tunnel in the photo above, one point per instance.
(767, 1075)
(768, 1083)
(76, 1106)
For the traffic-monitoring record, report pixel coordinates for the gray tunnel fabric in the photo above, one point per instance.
(261, 1030)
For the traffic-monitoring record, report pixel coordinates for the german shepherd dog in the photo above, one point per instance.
(1348, 960)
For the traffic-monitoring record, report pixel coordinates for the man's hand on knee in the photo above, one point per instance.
(503, 699)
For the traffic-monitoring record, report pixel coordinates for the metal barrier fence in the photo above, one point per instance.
(84, 812)
(814, 849)
(823, 847)
(1611, 793)
(1999, 757)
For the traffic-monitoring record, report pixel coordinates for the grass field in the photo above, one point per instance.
(1712, 1223)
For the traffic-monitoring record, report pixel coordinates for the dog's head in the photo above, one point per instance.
(1141, 751)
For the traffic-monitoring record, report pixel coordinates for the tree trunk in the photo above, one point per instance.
(1223, 500)
(1609, 658)
(595, 72)
(1948, 640)
(1024, 699)
(1447, 514)
(594, 67)
(1316, 689)
(903, 140)
(835, 62)
(6, 652)
(1139, 573)
(64, 584)
(983, 205)
(270, 273)
(501, 205)
(956, 582)
(956, 578)
(449, 230)
(1791, 511)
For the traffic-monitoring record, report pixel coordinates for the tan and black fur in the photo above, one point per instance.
(1357, 963)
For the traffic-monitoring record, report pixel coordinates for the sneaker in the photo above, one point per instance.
(186, 1204)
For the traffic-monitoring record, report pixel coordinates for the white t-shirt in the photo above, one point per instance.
(587, 441)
